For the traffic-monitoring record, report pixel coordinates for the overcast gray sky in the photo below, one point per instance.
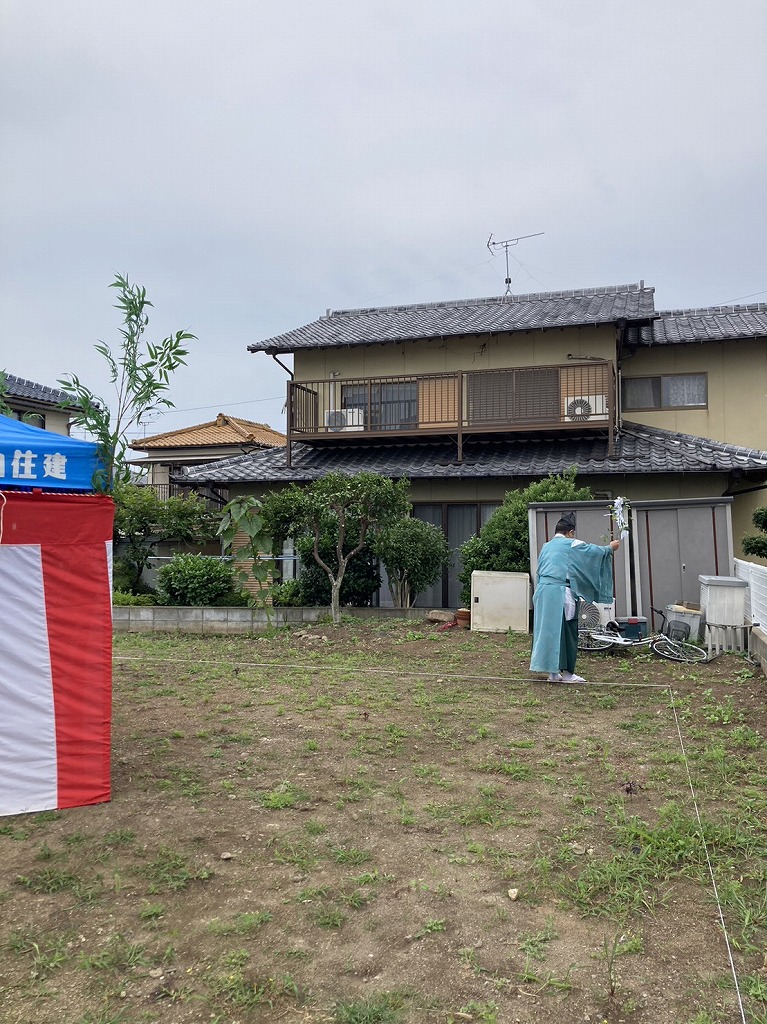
(254, 162)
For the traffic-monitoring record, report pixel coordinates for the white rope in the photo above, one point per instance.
(622, 684)
(512, 679)
(708, 859)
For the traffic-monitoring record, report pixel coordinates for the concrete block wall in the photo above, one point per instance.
(171, 619)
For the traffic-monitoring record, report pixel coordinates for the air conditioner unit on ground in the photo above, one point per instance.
(345, 419)
(584, 407)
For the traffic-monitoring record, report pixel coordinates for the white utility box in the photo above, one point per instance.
(500, 601)
(723, 600)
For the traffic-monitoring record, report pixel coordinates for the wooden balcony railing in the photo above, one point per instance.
(571, 397)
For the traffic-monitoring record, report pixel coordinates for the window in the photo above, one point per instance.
(394, 405)
(672, 391)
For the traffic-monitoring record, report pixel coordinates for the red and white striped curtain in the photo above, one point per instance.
(55, 650)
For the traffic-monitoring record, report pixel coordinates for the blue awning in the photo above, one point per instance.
(31, 457)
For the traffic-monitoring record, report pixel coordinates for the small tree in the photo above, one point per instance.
(245, 536)
(142, 521)
(141, 376)
(756, 544)
(346, 507)
(503, 543)
(414, 554)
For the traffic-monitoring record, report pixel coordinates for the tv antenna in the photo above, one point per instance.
(506, 245)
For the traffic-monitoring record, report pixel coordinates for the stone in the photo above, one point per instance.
(437, 615)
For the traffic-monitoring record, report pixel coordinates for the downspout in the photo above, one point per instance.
(289, 447)
(621, 329)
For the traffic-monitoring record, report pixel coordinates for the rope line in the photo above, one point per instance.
(397, 671)
(708, 859)
(2, 510)
(620, 684)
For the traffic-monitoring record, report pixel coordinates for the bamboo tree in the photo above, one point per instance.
(140, 373)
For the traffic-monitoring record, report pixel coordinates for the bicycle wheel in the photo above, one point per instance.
(678, 650)
(588, 641)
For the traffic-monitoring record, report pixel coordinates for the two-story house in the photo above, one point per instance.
(170, 453)
(469, 399)
(37, 404)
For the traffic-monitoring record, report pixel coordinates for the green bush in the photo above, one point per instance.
(195, 580)
(361, 580)
(287, 594)
(503, 543)
(121, 599)
(756, 544)
(414, 554)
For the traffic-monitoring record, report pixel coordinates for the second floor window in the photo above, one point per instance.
(670, 391)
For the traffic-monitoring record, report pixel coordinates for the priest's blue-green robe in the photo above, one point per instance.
(588, 570)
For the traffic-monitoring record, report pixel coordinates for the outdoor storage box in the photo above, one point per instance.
(723, 600)
(500, 601)
(633, 627)
(683, 613)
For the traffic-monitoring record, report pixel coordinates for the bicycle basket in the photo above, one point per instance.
(677, 630)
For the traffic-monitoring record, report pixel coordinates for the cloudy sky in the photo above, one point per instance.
(255, 162)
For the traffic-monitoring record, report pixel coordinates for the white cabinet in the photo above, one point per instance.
(500, 601)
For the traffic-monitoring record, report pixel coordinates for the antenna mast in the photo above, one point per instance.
(506, 245)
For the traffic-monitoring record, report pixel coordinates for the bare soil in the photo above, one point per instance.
(388, 822)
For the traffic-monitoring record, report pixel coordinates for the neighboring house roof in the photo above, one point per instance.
(533, 312)
(715, 323)
(638, 449)
(224, 430)
(28, 390)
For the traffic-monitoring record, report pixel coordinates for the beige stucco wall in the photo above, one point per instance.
(737, 389)
(485, 352)
(635, 488)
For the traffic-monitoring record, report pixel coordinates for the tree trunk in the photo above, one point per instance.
(335, 601)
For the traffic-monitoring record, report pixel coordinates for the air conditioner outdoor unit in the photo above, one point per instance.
(584, 407)
(345, 419)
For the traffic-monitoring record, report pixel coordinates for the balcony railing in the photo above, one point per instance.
(572, 397)
(165, 491)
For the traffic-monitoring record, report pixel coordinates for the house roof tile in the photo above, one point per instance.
(223, 430)
(638, 449)
(714, 323)
(18, 387)
(535, 311)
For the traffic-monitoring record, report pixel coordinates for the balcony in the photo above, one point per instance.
(562, 399)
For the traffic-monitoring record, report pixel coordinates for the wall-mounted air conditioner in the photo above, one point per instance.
(584, 407)
(345, 419)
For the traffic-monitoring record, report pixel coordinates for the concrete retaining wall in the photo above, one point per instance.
(759, 646)
(167, 619)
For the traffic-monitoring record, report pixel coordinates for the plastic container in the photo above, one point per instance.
(633, 627)
(681, 613)
(723, 600)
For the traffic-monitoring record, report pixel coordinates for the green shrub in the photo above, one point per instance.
(121, 599)
(361, 579)
(287, 594)
(195, 580)
(503, 543)
(414, 554)
(756, 544)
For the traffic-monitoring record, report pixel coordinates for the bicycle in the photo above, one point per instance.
(663, 643)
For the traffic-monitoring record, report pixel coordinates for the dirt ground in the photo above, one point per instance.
(387, 822)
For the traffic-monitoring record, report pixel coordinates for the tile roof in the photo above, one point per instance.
(714, 323)
(224, 430)
(638, 449)
(17, 387)
(536, 311)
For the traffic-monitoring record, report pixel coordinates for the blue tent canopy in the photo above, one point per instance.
(31, 457)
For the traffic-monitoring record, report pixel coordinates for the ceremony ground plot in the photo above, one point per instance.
(385, 823)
